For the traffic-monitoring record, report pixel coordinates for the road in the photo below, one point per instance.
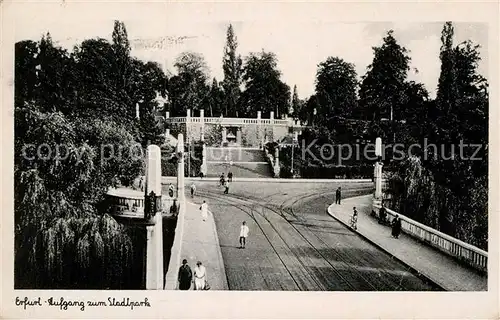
(294, 244)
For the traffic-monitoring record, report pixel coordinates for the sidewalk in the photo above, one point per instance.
(200, 243)
(167, 179)
(438, 267)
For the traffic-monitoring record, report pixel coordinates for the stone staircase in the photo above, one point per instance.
(242, 162)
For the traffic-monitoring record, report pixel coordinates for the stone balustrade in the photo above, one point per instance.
(465, 252)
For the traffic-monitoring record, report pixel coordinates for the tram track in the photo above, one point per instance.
(306, 256)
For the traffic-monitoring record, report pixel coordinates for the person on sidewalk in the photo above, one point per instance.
(204, 210)
(396, 227)
(243, 235)
(226, 188)
(354, 218)
(200, 276)
(185, 276)
(338, 195)
(171, 190)
(382, 215)
(230, 177)
(193, 189)
(222, 180)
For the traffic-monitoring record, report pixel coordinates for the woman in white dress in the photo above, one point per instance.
(204, 210)
(200, 276)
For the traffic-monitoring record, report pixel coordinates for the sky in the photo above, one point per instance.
(300, 45)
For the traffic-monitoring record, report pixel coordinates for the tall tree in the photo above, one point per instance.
(264, 90)
(216, 99)
(121, 47)
(336, 85)
(232, 66)
(296, 103)
(189, 88)
(382, 86)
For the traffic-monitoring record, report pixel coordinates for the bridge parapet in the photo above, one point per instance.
(463, 251)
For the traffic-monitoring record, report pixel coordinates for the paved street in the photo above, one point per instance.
(294, 244)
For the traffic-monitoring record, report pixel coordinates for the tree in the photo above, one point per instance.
(336, 85)
(264, 90)
(189, 89)
(216, 99)
(232, 66)
(296, 104)
(382, 86)
(121, 48)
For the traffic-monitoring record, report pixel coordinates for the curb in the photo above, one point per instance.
(225, 284)
(415, 271)
(219, 251)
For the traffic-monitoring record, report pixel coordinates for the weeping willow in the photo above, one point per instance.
(415, 193)
(78, 249)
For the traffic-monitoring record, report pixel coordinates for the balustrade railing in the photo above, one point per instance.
(468, 253)
(232, 121)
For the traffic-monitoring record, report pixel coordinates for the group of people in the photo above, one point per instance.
(395, 224)
(198, 277)
(225, 183)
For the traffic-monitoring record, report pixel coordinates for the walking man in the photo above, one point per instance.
(226, 186)
(193, 189)
(230, 176)
(338, 195)
(243, 235)
(204, 210)
(185, 276)
(200, 276)
(354, 218)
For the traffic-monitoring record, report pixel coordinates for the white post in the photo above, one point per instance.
(224, 134)
(137, 111)
(154, 245)
(202, 120)
(180, 171)
(167, 134)
(378, 172)
(272, 115)
(167, 114)
(277, 163)
(259, 129)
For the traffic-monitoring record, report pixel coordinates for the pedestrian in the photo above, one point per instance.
(382, 215)
(226, 187)
(230, 176)
(243, 235)
(222, 180)
(173, 208)
(185, 276)
(141, 184)
(354, 218)
(204, 210)
(171, 190)
(338, 195)
(200, 276)
(396, 227)
(193, 190)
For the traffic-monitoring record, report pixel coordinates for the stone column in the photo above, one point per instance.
(377, 200)
(224, 134)
(202, 121)
(180, 170)
(188, 125)
(277, 163)
(238, 136)
(167, 114)
(260, 136)
(154, 251)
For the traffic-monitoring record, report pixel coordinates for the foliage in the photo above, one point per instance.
(232, 66)
(264, 89)
(76, 135)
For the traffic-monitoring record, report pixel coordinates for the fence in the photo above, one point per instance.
(465, 252)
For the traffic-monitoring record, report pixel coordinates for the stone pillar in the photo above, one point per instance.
(180, 170)
(167, 134)
(224, 134)
(202, 121)
(238, 136)
(167, 114)
(203, 168)
(137, 111)
(272, 115)
(260, 136)
(377, 174)
(277, 163)
(188, 125)
(154, 245)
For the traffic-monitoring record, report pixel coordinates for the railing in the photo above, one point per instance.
(468, 253)
(232, 121)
